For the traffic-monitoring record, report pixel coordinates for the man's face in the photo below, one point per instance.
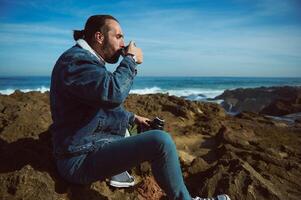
(113, 42)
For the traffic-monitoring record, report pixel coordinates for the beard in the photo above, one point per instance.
(112, 56)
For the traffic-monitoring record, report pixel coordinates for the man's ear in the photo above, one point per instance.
(99, 37)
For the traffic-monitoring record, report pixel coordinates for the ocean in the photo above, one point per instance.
(192, 88)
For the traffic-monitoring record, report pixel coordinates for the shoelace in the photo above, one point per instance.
(131, 177)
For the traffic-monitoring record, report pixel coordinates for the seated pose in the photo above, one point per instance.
(90, 122)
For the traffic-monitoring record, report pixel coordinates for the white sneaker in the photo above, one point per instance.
(123, 179)
(219, 197)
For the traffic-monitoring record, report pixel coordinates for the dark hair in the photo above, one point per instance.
(94, 23)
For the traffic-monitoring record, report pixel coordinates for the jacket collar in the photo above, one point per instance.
(83, 44)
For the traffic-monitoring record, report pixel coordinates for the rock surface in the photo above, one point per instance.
(276, 101)
(248, 156)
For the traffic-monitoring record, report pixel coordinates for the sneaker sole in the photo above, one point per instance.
(120, 184)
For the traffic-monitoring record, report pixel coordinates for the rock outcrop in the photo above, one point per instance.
(276, 101)
(247, 156)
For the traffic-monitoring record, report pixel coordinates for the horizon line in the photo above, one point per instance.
(163, 76)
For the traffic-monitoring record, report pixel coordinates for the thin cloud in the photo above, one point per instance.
(232, 34)
(11, 34)
(32, 29)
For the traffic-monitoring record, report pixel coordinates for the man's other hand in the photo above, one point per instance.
(142, 120)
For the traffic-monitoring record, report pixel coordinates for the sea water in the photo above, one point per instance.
(192, 88)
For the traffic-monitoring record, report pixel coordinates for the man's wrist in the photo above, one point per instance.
(133, 57)
(133, 64)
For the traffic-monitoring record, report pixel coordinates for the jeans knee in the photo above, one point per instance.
(163, 140)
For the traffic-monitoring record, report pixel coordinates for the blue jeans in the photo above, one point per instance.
(119, 155)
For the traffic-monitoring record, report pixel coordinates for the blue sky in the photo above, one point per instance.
(178, 38)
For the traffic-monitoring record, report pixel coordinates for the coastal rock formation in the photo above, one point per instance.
(281, 107)
(247, 156)
(274, 101)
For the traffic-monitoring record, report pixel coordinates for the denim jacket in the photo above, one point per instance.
(86, 101)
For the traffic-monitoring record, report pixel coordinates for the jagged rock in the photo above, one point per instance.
(267, 100)
(27, 184)
(185, 158)
(248, 156)
(282, 107)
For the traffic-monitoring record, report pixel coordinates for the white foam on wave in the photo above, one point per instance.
(10, 91)
(151, 90)
(208, 93)
(191, 93)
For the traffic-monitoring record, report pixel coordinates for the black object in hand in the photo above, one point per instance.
(155, 124)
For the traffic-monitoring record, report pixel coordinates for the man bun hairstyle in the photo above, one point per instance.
(94, 23)
(78, 34)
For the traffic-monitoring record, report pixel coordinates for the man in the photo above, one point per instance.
(89, 120)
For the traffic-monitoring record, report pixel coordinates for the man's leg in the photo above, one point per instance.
(123, 179)
(154, 146)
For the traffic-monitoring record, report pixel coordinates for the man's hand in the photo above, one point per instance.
(142, 120)
(134, 51)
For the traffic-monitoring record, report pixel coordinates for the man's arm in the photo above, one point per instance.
(93, 84)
